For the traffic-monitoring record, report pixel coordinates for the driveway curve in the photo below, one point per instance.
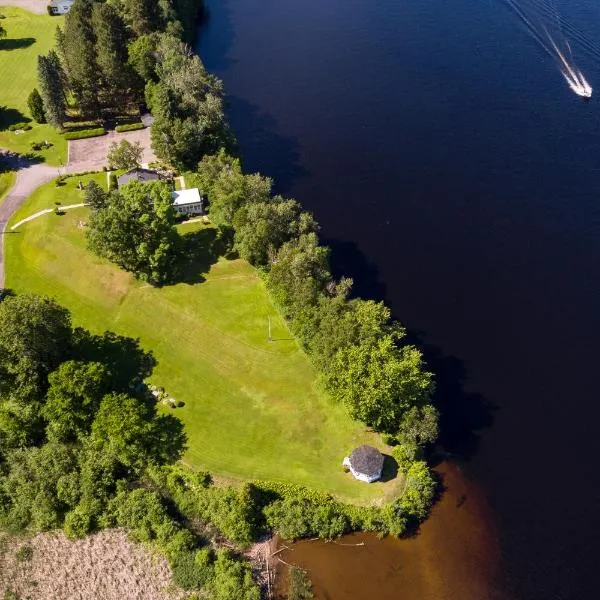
(30, 176)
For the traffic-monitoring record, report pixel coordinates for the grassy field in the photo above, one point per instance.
(252, 409)
(28, 36)
(7, 180)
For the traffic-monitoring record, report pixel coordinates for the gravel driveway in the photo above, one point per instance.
(90, 154)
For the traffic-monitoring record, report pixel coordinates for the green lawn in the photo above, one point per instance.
(252, 409)
(28, 35)
(7, 180)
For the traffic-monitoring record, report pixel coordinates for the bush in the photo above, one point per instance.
(85, 133)
(77, 125)
(20, 126)
(299, 587)
(193, 570)
(129, 127)
(24, 554)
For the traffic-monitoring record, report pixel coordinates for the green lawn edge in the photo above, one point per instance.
(28, 35)
(253, 410)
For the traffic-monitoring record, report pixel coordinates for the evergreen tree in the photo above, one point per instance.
(36, 106)
(52, 90)
(79, 47)
(143, 16)
(111, 48)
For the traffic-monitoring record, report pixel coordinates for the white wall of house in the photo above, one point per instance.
(61, 7)
(357, 475)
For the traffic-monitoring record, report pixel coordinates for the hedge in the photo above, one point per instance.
(85, 133)
(78, 125)
(129, 127)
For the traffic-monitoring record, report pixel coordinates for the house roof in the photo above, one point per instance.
(184, 197)
(367, 460)
(141, 175)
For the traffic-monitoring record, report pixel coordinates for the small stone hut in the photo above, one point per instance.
(365, 463)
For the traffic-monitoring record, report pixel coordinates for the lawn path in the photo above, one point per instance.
(46, 211)
(29, 178)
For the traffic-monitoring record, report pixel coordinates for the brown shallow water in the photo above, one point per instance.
(454, 557)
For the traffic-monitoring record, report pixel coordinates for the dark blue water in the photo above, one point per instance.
(457, 177)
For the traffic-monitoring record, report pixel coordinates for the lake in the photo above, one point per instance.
(457, 177)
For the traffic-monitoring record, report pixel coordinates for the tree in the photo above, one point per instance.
(261, 228)
(233, 579)
(418, 492)
(30, 488)
(379, 381)
(35, 337)
(298, 275)
(129, 429)
(220, 177)
(51, 79)
(142, 16)
(419, 425)
(79, 47)
(36, 106)
(125, 155)
(142, 56)
(95, 196)
(136, 231)
(76, 390)
(110, 39)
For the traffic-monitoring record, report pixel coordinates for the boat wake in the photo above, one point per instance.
(533, 14)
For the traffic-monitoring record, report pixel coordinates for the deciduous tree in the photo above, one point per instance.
(125, 155)
(261, 228)
(136, 231)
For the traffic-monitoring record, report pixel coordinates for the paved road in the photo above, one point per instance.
(29, 178)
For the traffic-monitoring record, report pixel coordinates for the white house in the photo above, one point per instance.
(188, 202)
(60, 7)
(365, 463)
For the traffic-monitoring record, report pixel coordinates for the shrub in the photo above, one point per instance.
(193, 570)
(299, 587)
(78, 522)
(20, 126)
(129, 127)
(77, 125)
(85, 133)
(24, 554)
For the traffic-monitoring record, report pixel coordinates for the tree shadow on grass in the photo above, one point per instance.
(11, 116)
(16, 43)
(390, 469)
(11, 161)
(201, 250)
(128, 362)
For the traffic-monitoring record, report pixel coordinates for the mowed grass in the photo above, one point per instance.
(252, 408)
(28, 36)
(7, 180)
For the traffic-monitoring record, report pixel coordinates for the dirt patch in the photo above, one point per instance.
(90, 154)
(105, 566)
(34, 6)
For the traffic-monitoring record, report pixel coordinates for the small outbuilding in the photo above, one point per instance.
(365, 463)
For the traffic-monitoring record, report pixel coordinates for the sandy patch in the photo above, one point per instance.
(104, 566)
